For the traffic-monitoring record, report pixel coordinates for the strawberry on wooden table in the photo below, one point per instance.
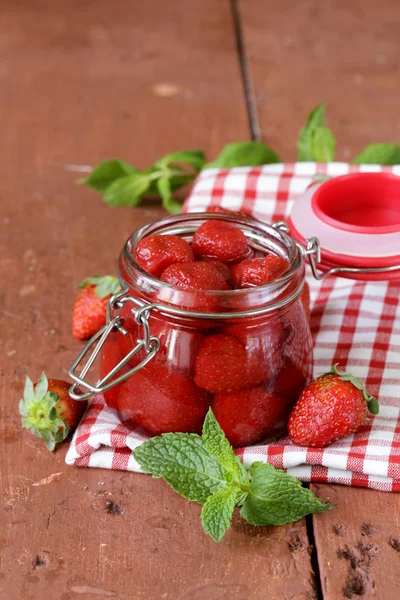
(330, 408)
(89, 313)
(48, 412)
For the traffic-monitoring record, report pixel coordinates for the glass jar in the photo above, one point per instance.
(246, 353)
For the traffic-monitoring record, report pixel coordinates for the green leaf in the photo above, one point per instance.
(216, 442)
(183, 460)
(164, 189)
(29, 393)
(41, 387)
(244, 154)
(276, 498)
(379, 154)
(217, 512)
(323, 144)
(104, 174)
(127, 191)
(48, 437)
(194, 158)
(106, 285)
(315, 119)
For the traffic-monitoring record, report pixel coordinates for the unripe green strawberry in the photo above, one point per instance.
(330, 408)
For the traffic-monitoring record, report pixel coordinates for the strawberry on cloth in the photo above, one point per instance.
(331, 407)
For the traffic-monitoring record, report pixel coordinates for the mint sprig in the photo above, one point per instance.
(316, 142)
(276, 498)
(205, 469)
(122, 184)
(183, 460)
(244, 154)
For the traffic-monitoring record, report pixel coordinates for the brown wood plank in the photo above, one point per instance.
(334, 52)
(341, 53)
(82, 82)
(358, 543)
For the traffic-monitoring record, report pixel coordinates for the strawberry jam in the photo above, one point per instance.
(226, 327)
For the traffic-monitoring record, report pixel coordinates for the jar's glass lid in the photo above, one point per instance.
(356, 218)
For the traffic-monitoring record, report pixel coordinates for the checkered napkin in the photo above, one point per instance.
(354, 323)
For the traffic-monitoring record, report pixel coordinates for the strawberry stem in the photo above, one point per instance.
(39, 414)
(372, 402)
(105, 285)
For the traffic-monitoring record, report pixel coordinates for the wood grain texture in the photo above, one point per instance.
(83, 82)
(342, 53)
(358, 543)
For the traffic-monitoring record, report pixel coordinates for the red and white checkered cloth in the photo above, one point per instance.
(354, 323)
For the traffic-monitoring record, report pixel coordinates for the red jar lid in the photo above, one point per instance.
(356, 219)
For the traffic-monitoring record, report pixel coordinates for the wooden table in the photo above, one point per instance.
(83, 81)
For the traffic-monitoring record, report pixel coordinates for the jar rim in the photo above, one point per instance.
(187, 223)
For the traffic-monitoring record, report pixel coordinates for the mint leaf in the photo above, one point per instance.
(276, 498)
(217, 512)
(104, 174)
(379, 154)
(194, 158)
(164, 189)
(322, 144)
(315, 119)
(127, 191)
(244, 154)
(216, 442)
(183, 460)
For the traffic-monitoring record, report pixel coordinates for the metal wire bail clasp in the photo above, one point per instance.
(149, 344)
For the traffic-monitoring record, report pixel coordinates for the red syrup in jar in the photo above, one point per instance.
(249, 364)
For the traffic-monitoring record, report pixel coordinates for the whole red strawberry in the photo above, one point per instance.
(89, 313)
(249, 415)
(258, 271)
(222, 267)
(330, 408)
(195, 276)
(221, 240)
(155, 253)
(163, 400)
(265, 340)
(48, 412)
(224, 364)
(199, 277)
